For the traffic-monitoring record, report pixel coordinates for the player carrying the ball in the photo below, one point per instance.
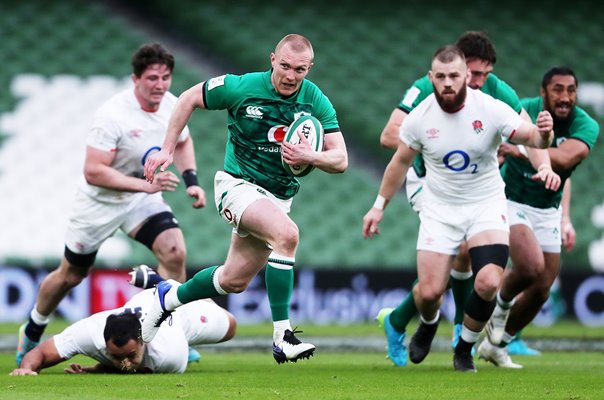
(254, 192)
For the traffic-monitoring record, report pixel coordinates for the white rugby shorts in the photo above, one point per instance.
(444, 227)
(92, 222)
(234, 195)
(544, 222)
(202, 321)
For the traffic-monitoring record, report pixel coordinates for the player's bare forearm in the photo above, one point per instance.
(334, 158)
(184, 155)
(43, 356)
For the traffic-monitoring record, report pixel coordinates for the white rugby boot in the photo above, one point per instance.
(290, 348)
(497, 355)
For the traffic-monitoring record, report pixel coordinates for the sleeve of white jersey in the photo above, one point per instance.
(408, 132)
(507, 120)
(83, 337)
(105, 132)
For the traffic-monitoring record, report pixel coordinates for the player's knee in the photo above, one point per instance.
(531, 268)
(174, 255)
(234, 284)
(287, 238)
(488, 281)
(429, 293)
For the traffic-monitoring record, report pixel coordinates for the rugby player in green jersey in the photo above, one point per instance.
(254, 192)
(480, 58)
(535, 214)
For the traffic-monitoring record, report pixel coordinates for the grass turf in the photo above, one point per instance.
(329, 375)
(254, 375)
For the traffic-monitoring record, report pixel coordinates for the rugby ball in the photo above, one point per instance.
(312, 130)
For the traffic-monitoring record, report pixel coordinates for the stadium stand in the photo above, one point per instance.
(365, 58)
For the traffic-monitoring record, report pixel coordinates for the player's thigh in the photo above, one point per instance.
(267, 222)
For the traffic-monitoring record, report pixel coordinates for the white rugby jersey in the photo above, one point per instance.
(120, 125)
(460, 149)
(167, 353)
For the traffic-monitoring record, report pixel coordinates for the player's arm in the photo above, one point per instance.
(99, 172)
(184, 159)
(568, 154)
(188, 101)
(333, 159)
(43, 356)
(95, 369)
(393, 178)
(569, 236)
(539, 135)
(389, 137)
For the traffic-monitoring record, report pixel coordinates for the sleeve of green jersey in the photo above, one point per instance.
(216, 91)
(324, 111)
(420, 89)
(507, 94)
(585, 128)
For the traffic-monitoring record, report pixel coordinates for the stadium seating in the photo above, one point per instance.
(366, 56)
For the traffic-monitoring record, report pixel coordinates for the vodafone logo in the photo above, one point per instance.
(277, 133)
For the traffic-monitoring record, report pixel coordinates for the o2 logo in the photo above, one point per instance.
(152, 150)
(458, 161)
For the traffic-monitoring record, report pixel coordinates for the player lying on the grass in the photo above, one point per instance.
(113, 338)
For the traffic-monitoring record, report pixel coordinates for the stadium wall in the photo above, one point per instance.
(320, 297)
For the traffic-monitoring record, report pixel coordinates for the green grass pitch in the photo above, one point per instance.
(228, 374)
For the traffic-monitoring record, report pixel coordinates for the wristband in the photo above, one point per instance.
(190, 177)
(522, 150)
(380, 202)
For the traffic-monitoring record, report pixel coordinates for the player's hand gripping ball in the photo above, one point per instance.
(312, 130)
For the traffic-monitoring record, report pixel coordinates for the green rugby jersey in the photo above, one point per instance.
(257, 119)
(516, 172)
(422, 88)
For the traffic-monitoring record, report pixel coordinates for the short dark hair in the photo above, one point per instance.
(448, 53)
(149, 54)
(547, 78)
(476, 44)
(121, 328)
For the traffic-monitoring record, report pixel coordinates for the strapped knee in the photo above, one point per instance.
(478, 308)
(83, 261)
(154, 226)
(489, 254)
